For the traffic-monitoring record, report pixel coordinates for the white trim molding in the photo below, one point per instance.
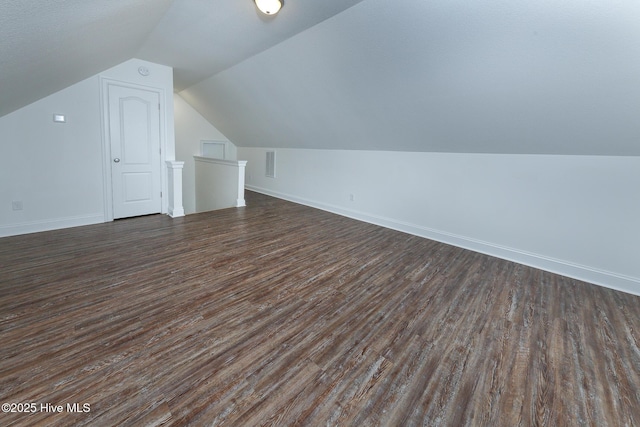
(174, 174)
(105, 82)
(50, 224)
(602, 278)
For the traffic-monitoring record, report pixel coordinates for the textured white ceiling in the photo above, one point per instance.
(200, 38)
(47, 45)
(493, 76)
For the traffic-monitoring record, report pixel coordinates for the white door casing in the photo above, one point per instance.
(134, 150)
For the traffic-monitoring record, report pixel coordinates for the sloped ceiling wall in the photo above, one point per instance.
(491, 76)
(48, 45)
(200, 38)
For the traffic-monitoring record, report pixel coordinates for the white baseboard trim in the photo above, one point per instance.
(175, 213)
(603, 278)
(51, 224)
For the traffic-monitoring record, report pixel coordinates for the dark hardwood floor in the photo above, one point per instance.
(279, 314)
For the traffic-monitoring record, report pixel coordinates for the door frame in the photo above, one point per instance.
(106, 142)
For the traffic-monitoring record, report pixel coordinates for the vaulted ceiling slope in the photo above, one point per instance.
(47, 45)
(200, 38)
(493, 76)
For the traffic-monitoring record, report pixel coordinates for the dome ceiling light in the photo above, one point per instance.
(269, 7)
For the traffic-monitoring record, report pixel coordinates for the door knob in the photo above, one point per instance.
(116, 160)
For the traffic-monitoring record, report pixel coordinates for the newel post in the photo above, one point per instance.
(241, 166)
(174, 169)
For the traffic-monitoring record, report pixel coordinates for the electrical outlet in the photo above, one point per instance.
(16, 205)
(351, 197)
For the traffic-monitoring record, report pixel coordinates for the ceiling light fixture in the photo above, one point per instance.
(269, 7)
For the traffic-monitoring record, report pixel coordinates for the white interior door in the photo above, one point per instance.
(134, 131)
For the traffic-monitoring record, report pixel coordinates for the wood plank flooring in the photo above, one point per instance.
(279, 314)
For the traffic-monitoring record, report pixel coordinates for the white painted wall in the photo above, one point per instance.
(219, 183)
(575, 215)
(191, 128)
(56, 170)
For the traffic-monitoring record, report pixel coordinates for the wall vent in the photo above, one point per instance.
(271, 164)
